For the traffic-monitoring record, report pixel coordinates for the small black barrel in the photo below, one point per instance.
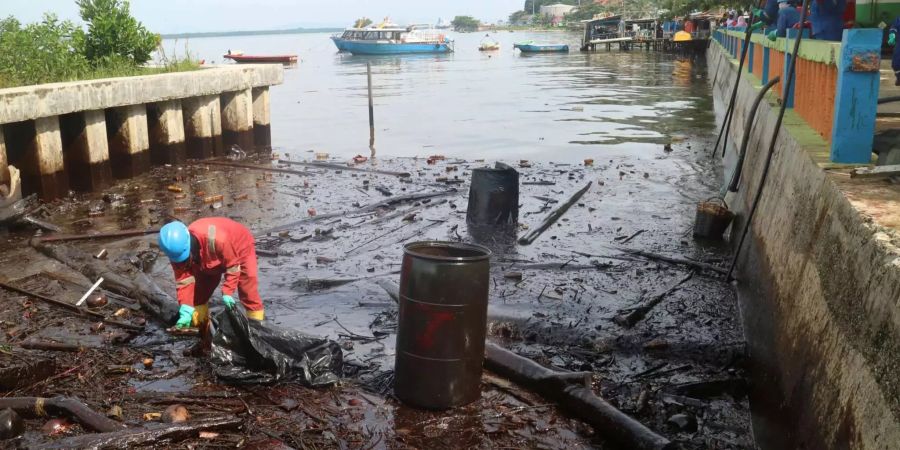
(494, 196)
(443, 318)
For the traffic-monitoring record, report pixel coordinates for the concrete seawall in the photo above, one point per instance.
(820, 277)
(81, 135)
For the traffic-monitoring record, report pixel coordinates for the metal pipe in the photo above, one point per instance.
(371, 110)
(792, 69)
(745, 140)
(726, 124)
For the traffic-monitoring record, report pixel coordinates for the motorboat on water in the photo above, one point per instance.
(532, 47)
(488, 44)
(390, 39)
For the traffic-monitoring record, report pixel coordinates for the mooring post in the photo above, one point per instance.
(856, 101)
(371, 110)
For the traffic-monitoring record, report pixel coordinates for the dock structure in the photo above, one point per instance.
(81, 135)
(644, 34)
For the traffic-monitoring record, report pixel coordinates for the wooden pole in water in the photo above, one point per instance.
(371, 110)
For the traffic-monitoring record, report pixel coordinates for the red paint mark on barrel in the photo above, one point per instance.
(435, 320)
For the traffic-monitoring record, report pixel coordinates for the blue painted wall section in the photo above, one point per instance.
(765, 67)
(788, 97)
(855, 102)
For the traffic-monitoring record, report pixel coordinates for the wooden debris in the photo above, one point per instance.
(157, 435)
(634, 316)
(343, 167)
(876, 172)
(71, 307)
(532, 235)
(84, 237)
(37, 407)
(575, 395)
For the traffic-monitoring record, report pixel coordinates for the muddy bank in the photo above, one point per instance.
(339, 234)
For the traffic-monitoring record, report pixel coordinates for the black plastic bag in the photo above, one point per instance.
(249, 352)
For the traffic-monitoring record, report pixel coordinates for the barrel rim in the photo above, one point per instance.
(410, 249)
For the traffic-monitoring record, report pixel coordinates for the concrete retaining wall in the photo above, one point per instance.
(79, 135)
(820, 281)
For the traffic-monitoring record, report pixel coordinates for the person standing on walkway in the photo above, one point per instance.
(788, 16)
(892, 40)
(827, 18)
(201, 254)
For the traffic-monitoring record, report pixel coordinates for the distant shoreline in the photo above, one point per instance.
(249, 33)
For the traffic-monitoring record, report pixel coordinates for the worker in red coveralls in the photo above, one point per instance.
(201, 254)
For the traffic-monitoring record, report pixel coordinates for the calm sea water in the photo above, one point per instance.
(470, 104)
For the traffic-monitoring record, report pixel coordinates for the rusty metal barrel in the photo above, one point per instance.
(443, 319)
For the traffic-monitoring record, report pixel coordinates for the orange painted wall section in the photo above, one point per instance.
(814, 93)
(776, 68)
(757, 60)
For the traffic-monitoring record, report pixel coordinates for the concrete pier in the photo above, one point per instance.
(262, 120)
(129, 141)
(86, 150)
(83, 131)
(202, 126)
(166, 127)
(4, 172)
(237, 119)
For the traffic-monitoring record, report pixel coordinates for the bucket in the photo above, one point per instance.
(494, 197)
(442, 324)
(713, 218)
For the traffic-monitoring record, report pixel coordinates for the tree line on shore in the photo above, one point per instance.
(111, 43)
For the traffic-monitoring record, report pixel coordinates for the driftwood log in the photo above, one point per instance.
(333, 166)
(629, 318)
(386, 203)
(122, 279)
(154, 434)
(568, 388)
(37, 407)
(71, 307)
(85, 237)
(554, 216)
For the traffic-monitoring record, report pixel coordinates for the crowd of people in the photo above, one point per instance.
(826, 20)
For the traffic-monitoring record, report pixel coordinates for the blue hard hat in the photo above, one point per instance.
(175, 241)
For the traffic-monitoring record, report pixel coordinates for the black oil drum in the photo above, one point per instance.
(443, 319)
(494, 197)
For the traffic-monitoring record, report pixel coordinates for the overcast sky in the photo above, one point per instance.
(170, 16)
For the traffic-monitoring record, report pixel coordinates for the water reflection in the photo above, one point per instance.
(560, 107)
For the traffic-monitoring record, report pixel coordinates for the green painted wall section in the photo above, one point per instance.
(825, 52)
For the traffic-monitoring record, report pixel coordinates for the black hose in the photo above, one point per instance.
(893, 99)
(745, 140)
(792, 69)
(726, 124)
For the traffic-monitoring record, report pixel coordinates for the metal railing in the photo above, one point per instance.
(836, 87)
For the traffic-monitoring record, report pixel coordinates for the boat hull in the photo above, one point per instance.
(274, 59)
(529, 48)
(382, 48)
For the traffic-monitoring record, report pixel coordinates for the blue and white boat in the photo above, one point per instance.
(532, 47)
(387, 39)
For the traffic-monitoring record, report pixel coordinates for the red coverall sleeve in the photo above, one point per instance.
(184, 284)
(232, 269)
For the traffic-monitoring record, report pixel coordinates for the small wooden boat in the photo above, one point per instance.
(530, 47)
(489, 46)
(261, 59)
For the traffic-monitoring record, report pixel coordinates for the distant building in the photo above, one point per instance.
(556, 12)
